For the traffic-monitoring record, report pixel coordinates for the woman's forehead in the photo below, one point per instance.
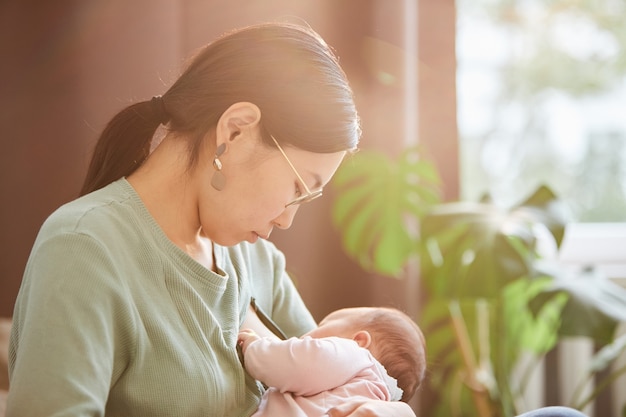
(316, 167)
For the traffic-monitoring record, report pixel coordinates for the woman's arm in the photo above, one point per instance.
(63, 331)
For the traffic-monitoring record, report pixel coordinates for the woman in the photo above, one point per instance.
(134, 294)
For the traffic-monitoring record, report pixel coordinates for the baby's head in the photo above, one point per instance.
(391, 336)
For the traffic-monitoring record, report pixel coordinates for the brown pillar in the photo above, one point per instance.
(437, 89)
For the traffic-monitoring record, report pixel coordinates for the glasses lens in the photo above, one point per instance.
(306, 198)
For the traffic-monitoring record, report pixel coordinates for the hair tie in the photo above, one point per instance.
(159, 110)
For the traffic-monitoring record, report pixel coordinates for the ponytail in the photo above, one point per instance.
(124, 144)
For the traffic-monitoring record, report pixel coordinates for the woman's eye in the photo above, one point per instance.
(298, 190)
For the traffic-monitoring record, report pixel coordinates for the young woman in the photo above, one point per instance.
(134, 294)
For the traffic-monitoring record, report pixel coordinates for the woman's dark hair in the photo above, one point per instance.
(287, 70)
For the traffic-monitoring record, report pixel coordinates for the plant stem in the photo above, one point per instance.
(480, 394)
(600, 387)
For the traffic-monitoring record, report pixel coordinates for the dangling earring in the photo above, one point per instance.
(218, 181)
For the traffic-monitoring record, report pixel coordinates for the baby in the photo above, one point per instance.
(355, 353)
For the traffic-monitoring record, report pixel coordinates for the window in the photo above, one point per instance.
(542, 99)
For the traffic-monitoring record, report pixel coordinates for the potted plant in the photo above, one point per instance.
(490, 293)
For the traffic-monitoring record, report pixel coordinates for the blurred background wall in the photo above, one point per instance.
(68, 66)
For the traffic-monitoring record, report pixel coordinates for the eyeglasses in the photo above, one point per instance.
(309, 196)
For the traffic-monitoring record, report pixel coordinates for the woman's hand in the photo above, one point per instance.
(372, 408)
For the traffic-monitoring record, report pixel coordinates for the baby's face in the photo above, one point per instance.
(339, 323)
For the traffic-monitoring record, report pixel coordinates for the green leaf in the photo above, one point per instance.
(605, 356)
(480, 248)
(393, 250)
(358, 231)
(595, 306)
(544, 207)
(538, 332)
(377, 201)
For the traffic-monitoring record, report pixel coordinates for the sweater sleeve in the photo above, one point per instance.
(305, 366)
(62, 347)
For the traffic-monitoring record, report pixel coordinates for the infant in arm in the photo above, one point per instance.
(355, 353)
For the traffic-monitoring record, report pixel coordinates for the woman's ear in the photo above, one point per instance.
(239, 117)
(363, 338)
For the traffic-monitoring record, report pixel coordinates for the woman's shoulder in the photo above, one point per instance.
(100, 210)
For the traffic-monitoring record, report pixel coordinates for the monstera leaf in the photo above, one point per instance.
(476, 249)
(595, 305)
(378, 198)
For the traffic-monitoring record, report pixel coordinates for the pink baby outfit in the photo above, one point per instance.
(308, 376)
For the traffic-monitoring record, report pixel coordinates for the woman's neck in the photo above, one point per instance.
(167, 190)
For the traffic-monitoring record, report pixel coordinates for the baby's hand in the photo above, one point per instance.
(246, 336)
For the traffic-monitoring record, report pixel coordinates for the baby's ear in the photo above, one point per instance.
(363, 338)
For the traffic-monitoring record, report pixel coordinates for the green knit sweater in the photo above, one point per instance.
(113, 319)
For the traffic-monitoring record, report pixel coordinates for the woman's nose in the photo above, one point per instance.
(286, 217)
